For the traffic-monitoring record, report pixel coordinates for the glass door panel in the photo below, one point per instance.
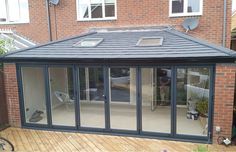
(34, 95)
(156, 101)
(62, 96)
(92, 111)
(123, 98)
(192, 101)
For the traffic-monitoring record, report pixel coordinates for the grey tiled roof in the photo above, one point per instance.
(122, 45)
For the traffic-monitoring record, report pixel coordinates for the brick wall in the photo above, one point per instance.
(224, 99)
(36, 30)
(11, 89)
(3, 104)
(130, 13)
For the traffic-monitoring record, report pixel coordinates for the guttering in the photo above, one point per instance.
(49, 20)
(224, 23)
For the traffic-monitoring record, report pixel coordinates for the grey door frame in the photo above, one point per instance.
(107, 129)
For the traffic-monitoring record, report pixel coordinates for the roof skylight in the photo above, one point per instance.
(150, 41)
(88, 42)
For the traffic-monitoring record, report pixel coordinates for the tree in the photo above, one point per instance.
(2, 47)
(5, 46)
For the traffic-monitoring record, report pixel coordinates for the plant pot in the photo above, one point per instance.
(203, 115)
(203, 121)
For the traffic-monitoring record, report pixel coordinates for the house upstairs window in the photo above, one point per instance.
(14, 11)
(96, 9)
(185, 7)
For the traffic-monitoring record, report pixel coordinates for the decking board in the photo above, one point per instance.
(54, 141)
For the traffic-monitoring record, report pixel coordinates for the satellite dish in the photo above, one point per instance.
(54, 2)
(190, 24)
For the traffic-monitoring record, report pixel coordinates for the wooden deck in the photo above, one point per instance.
(36, 140)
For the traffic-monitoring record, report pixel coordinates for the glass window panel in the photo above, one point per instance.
(24, 11)
(83, 9)
(34, 95)
(177, 6)
(109, 8)
(192, 101)
(156, 103)
(96, 10)
(123, 98)
(62, 96)
(193, 6)
(13, 10)
(92, 113)
(3, 14)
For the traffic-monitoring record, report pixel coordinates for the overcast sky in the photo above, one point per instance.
(234, 5)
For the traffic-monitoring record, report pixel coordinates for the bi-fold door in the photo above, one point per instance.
(107, 98)
(157, 101)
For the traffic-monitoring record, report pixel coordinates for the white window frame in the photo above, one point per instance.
(96, 19)
(14, 22)
(185, 13)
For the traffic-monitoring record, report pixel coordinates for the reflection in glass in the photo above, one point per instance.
(83, 9)
(156, 109)
(192, 101)
(3, 12)
(123, 98)
(96, 8)
(177, 6)
(91, 97)
(109, 8)
(34, 95)
(62, 96)
(193, 6)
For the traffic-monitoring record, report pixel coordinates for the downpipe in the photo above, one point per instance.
(224, 24)
(49, 20)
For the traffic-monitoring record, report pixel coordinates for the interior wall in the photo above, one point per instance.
(58, 82)
(34, 90)
(147, 86)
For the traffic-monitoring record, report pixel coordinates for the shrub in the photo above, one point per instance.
(201, 148)
(202, 106)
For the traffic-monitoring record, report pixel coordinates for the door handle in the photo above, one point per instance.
(104, 97)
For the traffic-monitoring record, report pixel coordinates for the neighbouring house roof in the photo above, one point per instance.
(121, 45)
(17, 41)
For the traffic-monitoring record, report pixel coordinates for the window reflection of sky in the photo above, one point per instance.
(17, 11)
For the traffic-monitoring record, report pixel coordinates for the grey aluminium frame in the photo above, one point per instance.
(107, 129)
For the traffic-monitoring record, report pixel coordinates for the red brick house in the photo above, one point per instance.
(151, 80)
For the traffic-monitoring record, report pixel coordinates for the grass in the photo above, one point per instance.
(201, 148)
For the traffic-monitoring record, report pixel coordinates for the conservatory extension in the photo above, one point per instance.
(147, 82)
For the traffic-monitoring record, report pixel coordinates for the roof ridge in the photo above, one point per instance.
(199, 41)
(53, 42)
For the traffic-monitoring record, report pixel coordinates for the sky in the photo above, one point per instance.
(233, 5)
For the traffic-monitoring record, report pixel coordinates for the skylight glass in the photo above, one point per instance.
(150, 41)
(88, 42)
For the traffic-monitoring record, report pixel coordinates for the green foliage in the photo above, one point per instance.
(181, 96)
(202, 106)
(201, 148)
(6, 45)
(2, 47)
